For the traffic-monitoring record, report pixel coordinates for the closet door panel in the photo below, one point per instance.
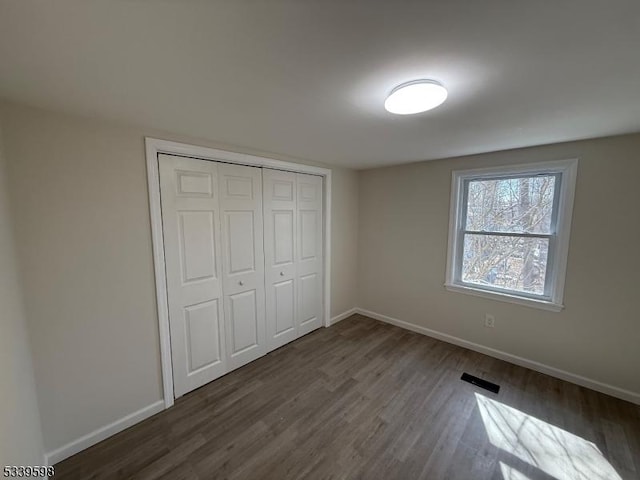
(241, 242)
(243, 314)
(309, 261)
(280, 233)
(243, 263)
(285, 307)
(190, 222)
(202, 326)
(309, 298)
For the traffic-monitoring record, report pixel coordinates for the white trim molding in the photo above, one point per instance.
(102, 433)
(504, 297)
(156, 146)
(552, 299)
(343, 315)
(633, 397)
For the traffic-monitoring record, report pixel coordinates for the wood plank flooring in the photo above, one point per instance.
(367, 400)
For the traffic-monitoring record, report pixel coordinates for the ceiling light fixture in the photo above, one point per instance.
(415, 97)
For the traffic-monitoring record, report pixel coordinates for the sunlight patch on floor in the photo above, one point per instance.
(556, 452)
(510, 473)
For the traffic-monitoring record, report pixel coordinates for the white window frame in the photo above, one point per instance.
(566, 171)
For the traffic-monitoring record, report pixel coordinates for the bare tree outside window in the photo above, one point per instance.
(507, 232)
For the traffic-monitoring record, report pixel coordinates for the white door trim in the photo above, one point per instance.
(155, 146)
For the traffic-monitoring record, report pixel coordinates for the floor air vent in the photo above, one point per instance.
(492, 387)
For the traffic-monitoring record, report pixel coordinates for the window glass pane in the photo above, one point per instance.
(521, 205)
(512, 263)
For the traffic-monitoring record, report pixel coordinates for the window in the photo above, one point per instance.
(509, 232)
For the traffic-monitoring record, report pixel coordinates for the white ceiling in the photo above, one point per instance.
(308, 78)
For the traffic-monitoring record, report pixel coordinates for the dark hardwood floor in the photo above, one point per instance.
(366, 400)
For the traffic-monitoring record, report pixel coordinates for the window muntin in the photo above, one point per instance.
(510, 231)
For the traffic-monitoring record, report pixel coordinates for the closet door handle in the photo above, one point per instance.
(241, 283)
(282, 274)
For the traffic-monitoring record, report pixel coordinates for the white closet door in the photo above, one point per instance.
(309, 253)
(243, 262)
(190, 219)
(279, 253)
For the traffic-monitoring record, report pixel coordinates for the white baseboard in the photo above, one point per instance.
(617, 392)
(343, 315)
(102, 433)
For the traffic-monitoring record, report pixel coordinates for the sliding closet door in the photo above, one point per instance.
(309, 253)
(279, 251)
(243, 262)
(190, 219)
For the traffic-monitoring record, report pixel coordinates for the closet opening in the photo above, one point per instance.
(241, 254)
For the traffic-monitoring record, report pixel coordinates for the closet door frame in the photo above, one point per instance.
(153, 148)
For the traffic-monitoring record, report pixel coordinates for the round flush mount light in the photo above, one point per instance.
(415, 97)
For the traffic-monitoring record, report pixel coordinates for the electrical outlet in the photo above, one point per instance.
(489, 320)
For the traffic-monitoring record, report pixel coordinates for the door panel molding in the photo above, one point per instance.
(309, 259)
(280, 253)
(198, 186)
(243, 268)
(197, 330)
(191, 211)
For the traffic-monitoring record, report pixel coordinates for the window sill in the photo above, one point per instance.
(502, 297)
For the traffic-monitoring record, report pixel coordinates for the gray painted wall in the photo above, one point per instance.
(20, 434)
